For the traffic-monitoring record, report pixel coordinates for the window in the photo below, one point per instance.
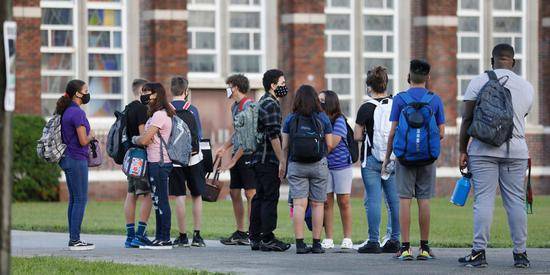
(202, 44)
(103, 52)
(338, 55)
(508, 24)
(470, 48)
(245, 36)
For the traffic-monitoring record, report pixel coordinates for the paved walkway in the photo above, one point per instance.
(241, 260)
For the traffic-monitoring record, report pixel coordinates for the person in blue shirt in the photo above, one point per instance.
(307, 179)
(415, 181)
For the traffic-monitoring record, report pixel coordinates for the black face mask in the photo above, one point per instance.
(281, 91)
(85, 98)
(144, 99)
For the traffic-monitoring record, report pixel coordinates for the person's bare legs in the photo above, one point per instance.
(238, 209)
(300, 206)
(329, 216)
(180, 214)
(145, 209)
(130, 208)
(345, 213)
(249, 193)
(317, 211)
(405, 218)
(197, 212)
(424, 218)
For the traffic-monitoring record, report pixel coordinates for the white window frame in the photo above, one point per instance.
(467, 56)
(513, 13)
(191, 6)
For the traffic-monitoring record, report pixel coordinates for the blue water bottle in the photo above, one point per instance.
(462, 189)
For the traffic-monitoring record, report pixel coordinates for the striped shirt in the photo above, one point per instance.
(339, 158)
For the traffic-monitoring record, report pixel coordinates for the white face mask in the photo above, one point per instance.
(228, 92)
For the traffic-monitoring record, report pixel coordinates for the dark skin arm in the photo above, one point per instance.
(467, 117)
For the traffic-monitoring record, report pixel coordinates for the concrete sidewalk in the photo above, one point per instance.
(241, 260)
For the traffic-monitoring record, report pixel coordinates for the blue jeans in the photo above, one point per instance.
(373, 199)
(158, 178)
(76, 174)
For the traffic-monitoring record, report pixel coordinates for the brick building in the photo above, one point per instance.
(329, 44)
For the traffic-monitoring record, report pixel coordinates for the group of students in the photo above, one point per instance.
(312, 150)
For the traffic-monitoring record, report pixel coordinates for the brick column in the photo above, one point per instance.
(433, 38)
(27, 14)
(163, 39)
(544, 62)
(302, 45)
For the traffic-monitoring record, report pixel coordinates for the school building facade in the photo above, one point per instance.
(330, 44)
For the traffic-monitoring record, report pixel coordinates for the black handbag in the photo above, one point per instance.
(206, 149)
(213, 185)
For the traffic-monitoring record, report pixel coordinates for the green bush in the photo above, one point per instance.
(33, 178)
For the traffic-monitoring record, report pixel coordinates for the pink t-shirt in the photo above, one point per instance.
(162, 121)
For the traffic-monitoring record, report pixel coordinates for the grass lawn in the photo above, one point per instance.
(58, 265)
(451, 226)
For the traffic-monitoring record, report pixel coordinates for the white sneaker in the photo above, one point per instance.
(327, 244)
(385, 240)
(346, 244)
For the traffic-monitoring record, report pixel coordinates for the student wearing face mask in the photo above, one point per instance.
(263, 216)
(76, 134)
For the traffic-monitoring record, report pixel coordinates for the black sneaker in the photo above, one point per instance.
(181, 241)
(303, 249)
(520, 260)
(274, 245)
(198, 241)
(475, 259)
(237, 238)
(371, 248)
(255, 245)
(158, 245)
(317, 248)
(391, 246)
(80, 245)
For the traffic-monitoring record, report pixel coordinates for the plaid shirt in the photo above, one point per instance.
(269, 123)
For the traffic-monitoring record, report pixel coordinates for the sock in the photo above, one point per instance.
(316, 241)
(130, 230)
(141, 229)
(405, 245)
(300, 242)
(424, 245)
(196, 233)
(183, 235)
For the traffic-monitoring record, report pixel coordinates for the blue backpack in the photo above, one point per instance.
(416, 141)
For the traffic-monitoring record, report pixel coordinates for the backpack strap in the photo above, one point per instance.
(427, 98)
(406, 98)
(186, 106)
(243, 102)
(492, 75)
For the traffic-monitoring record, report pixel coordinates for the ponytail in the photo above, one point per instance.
(377, 79)
(65, 100)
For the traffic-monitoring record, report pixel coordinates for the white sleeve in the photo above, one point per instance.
(473, 87)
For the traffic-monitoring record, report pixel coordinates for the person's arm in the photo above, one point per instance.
(276, 144)
(234, 159)
(464, 138)
(332, 141)
(83, 138)
(441, 131)
(146, 138)
(283, 160)
(389, 148)
(141, 129)
(358, 132)
(225, 146)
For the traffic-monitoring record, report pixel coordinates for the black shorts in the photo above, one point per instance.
(242, 174)
(192, 175)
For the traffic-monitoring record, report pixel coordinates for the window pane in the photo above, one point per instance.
(345, 106)
(467, 67)
(240, 41)
(205, 40)
(374, 43)
(340, 3)
(468, 24)
(502, 40)
(378, 22)
(117, 39)
(338, 22)
(62, 38)
(469, 44)
(517, 67)
(340, 42)
(502, 4)
(104, 62)
(469, 4)
(257, 41)
(189, 40)
(204, 63)
(102, 17)
(57, 16)
(99, 39)
(202, 19)
(337, 65)
(384, 62)
(518, 5)
(507, 24)
(105, 85)
(389, 3)
(54, 84)
(44, 38)
(341, 86)
(239, 2)
(244, 20)
(48, 106)
(245, 63)
(517, 45)
(463, 86)
(57, 61)
(389, 43)
(374, 3)
(102, 107)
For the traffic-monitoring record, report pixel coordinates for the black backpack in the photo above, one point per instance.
(187, 116)
(118, 141)
(352, 144)
(493, 121)
(306, 139)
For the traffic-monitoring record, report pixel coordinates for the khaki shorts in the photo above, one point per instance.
(138, 186)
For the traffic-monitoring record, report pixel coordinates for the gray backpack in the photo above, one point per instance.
(493, 121)
(179, 145)
(245, 124)
(50, 146)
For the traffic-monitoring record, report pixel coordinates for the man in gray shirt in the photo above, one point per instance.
(502, 166)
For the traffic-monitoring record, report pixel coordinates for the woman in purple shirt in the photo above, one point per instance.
(76, 134)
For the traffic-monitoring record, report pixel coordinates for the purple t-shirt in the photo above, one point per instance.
(417, 94)
(73, 118)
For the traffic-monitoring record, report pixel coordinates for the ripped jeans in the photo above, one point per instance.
(158, 179)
